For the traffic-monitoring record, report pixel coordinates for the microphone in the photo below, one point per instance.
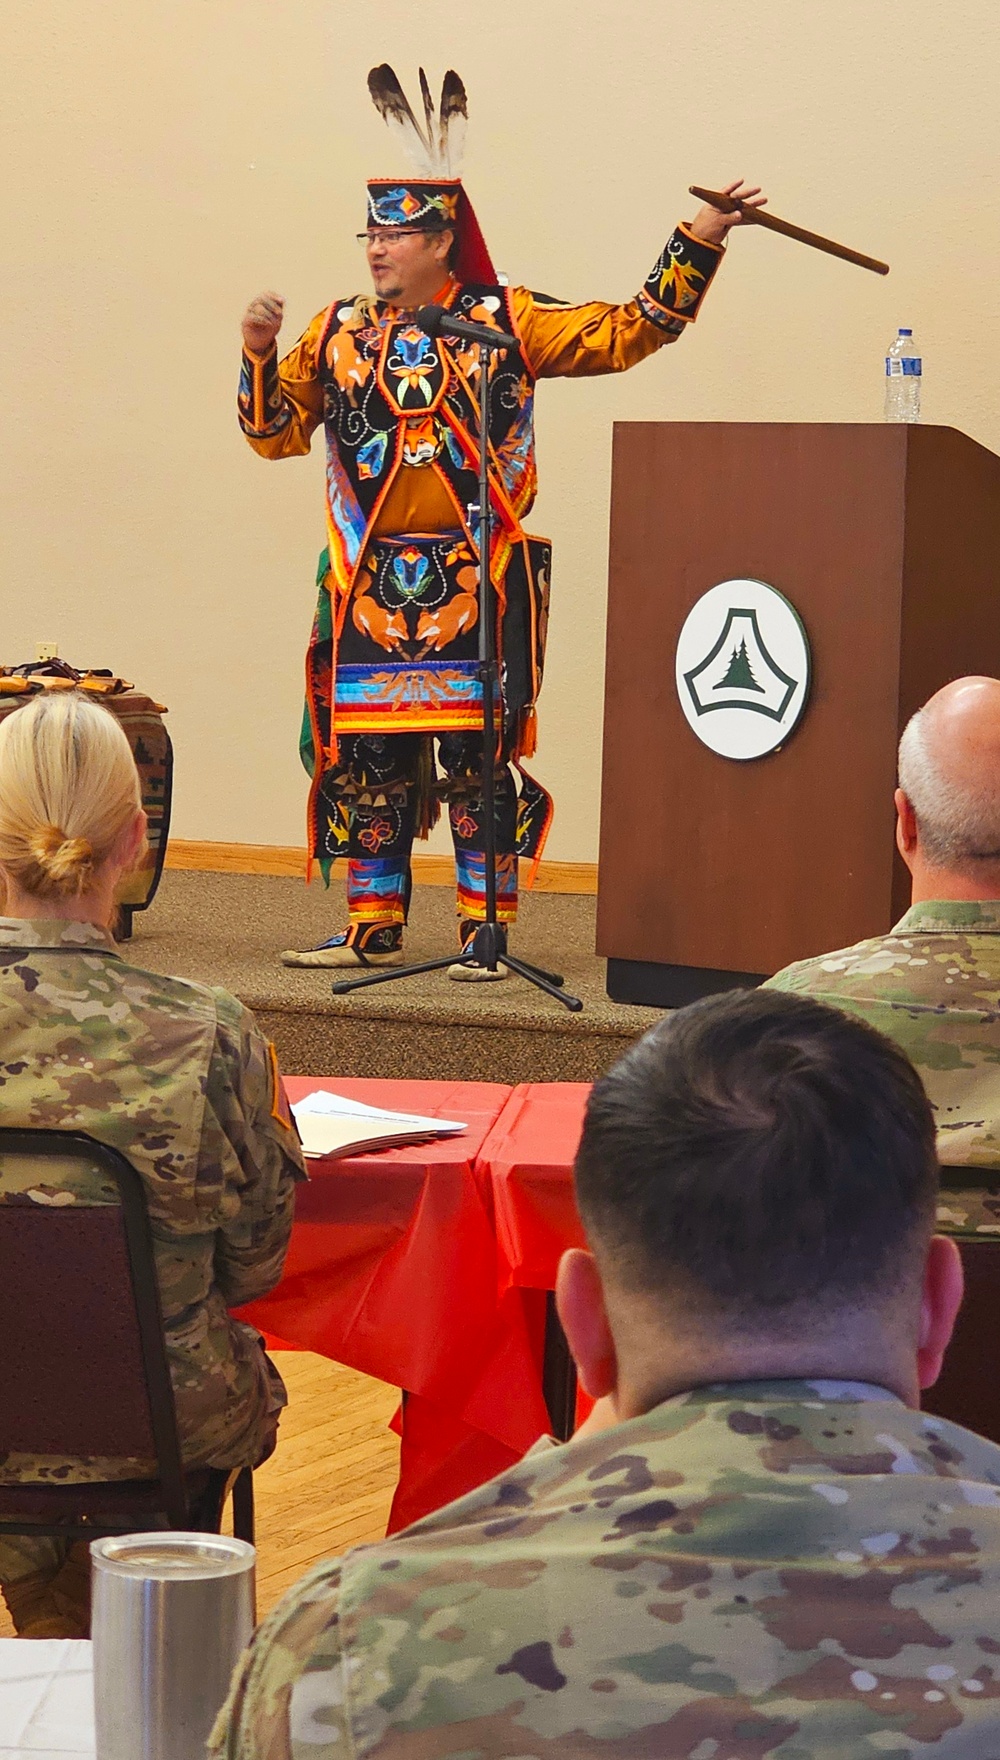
(435, 321)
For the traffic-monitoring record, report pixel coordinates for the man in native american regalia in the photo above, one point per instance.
(393, 659)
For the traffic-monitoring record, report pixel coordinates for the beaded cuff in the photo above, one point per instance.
(262, 407)
(678, 281)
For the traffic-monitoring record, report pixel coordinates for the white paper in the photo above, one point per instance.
(339, 1106)
(324, 1135)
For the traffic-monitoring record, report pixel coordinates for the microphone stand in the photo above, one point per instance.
(488, 946)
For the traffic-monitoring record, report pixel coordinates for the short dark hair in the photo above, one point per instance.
(434, 227)
(756, 1150)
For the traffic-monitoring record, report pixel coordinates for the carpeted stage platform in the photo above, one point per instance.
(228, 928)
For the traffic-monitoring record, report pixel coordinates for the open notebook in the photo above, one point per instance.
(331, 1124)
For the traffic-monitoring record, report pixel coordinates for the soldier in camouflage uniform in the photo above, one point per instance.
(933, 983)
(757, 1545)
(177, 1077)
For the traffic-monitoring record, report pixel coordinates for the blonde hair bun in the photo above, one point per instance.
(68, 861)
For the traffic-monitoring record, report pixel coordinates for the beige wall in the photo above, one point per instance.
(172, 157)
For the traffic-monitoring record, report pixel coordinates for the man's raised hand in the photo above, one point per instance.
(262, 321)
(712, 225)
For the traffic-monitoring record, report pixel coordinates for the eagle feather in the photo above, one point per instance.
(436, 148)
(452, 118)
(392, 105)
(430, 121)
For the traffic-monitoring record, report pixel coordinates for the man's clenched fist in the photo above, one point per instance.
(262, 321)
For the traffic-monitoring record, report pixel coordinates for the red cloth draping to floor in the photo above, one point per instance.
(423, 1266)
(392, 1269)
(392, 1262)
(440, 1458)
(529, 1154)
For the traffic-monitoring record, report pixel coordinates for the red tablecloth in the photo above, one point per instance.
(529, 1153)
(392, 1263)
(392, 1269)
(425, 1266)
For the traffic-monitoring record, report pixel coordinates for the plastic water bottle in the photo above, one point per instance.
(902, 379)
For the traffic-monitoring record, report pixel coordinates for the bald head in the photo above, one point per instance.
(949, 772)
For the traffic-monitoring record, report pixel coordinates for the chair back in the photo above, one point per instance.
(83, 1366)
(968, 1388)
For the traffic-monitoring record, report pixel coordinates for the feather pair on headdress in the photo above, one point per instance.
(436, 148)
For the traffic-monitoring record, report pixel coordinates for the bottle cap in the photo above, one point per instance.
(906, 332)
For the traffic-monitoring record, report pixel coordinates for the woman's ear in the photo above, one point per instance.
(581, 1309)
(130, 843)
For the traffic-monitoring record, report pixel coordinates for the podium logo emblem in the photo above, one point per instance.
(743, 669)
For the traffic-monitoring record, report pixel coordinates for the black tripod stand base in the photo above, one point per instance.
(550, 982)
(344, 985)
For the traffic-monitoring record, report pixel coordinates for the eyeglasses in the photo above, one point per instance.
(389, 236)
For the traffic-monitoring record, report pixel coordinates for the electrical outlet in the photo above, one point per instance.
(47, 651)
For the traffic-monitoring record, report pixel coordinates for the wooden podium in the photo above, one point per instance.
(886, 540)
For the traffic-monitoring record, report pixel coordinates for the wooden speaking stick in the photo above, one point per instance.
(760, 217)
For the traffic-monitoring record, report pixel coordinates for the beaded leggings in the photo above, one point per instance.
(383, 769)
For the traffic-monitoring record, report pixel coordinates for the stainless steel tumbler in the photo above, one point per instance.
(171, 1613)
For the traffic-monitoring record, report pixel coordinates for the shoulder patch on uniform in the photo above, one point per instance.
(280, 1108)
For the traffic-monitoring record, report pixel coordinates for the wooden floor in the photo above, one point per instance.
(329, 1483)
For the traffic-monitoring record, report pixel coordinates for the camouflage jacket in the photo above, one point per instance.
(808, 1570)
(933, 985)
(178, 1078)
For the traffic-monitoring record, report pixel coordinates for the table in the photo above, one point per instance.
(430, 1266)
(46, 1698)
(392, 1269)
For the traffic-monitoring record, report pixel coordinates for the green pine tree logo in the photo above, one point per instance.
(740, 673)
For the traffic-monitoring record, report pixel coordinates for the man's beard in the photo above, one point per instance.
(390, 293)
